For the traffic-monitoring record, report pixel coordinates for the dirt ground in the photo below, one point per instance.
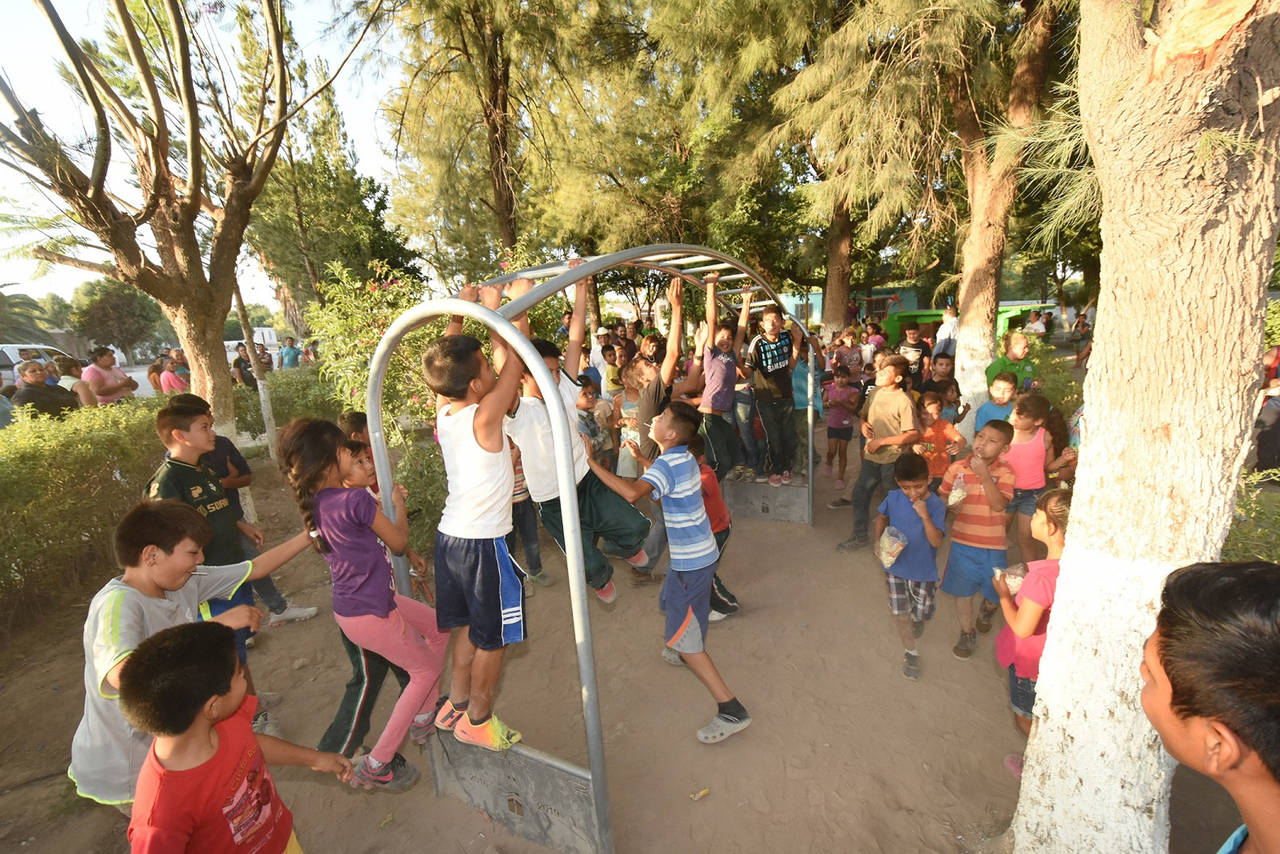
(843, 755)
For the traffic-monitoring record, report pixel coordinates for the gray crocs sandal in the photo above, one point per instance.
(721, 728)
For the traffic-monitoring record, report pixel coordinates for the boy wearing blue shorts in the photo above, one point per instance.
(977, 529)
(912, 576)
(479, 588)
(674, 479)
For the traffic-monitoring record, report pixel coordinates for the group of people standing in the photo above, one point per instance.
(56, 387)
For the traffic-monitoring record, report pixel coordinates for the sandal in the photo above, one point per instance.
(721, 728)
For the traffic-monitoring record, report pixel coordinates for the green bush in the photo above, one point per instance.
(421, 471)
(63, 486)
(1273, 322)
(1057, 383)
(1255, 532)
(295, 393)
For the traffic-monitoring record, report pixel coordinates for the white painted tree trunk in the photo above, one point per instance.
(1188, 243)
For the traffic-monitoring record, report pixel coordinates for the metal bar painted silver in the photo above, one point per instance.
(502, 325)
(734, 277)
(813, 379)
(692, 259)
(730, 291)
(710, 268)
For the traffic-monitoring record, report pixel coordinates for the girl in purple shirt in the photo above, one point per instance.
(349, 529)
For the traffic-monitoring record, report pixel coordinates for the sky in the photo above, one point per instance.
(29, 52)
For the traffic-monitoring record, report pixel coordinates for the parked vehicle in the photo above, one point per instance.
(11, 355)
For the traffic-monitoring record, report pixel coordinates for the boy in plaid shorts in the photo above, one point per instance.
(919, 516)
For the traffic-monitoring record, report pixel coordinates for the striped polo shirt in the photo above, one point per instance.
(976, 524)
(677, 484)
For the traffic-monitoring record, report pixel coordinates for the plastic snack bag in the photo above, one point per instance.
(1013, 576)
(891, 544)
(957, 492)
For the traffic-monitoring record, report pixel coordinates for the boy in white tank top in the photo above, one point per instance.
(479, 589)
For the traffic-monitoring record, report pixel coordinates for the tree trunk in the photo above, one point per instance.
(1189, 243)
(259, 373)
(992, 184)
(593, 308)
(835, 299)
(199, 330)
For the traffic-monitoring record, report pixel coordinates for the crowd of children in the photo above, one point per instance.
(174, 736)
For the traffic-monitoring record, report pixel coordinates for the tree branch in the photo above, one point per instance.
(69, 261)
(195, 162)
(102, 150)
(275, 40)
(142, 65)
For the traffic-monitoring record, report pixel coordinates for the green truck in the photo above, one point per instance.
(1007, 317)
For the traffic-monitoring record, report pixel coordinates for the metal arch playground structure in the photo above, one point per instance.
(538, 796)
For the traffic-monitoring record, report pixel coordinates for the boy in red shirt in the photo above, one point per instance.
(204, 786)
(723, 603)
(977, 530)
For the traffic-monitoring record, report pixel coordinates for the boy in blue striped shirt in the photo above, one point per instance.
(674, 479)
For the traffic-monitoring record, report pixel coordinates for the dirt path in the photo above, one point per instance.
(843, 753)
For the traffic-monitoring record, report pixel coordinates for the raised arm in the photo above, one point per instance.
(796, 337)
(470, 293)
(277, 556)
(577, 325)
(675, 296)
(744, 323)
(711, 312)
(487, 425)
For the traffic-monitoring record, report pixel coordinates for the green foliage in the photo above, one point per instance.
(295, 393)
(111, 312)
(1255, 532)
(21, 318)
(1273, 323)
(63, 486)
(259, 316)
(1058, 384)
(57, 311)
(420, 470)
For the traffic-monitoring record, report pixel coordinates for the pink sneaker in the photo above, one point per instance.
(640, 558)
(608, 594)
(786, 477)
(775, 480)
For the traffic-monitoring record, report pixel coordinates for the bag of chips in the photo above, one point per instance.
(891, 544)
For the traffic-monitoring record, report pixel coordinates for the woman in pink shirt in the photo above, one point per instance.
(107, 380)
(170, 380)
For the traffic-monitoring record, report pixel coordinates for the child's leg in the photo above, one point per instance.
(524, 519)
(396, 640)
(842, 453)
(464, 653)
(598, 569)
(705, 669)
(605, 514)
(902, 622)
(351, 722)
(964, 612)
(486, 666)
(421, 618)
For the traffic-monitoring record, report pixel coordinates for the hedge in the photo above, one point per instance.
(295, 393)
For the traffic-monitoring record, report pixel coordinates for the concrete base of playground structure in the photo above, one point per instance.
(533, 794)
(761, 501)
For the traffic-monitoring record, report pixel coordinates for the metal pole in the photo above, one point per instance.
(561, 436)
(813, 372)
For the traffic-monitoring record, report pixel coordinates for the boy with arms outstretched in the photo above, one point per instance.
(479, 590)
(204, 786)
(674, 479)
(977, 531)
(1211, 687)
(602, 514)
(159, 545)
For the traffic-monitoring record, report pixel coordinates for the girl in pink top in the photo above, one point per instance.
(1026, 612)
(840, 400)
(1030, 455)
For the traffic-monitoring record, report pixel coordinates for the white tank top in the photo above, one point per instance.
(478, 506)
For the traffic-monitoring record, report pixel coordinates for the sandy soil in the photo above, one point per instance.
(844, 754)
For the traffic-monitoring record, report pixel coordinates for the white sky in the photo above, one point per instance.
(28, 54)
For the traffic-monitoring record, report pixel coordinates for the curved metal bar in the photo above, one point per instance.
(560, 432)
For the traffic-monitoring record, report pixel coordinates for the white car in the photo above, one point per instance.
(12, 355)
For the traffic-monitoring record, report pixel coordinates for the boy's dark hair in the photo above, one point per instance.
(944, 355)
(899, 364)
(930, 398)
(910, 325)
(66, 364)
(98, 352)
(841, 371)
(1005, 377)
(353, 421)
(162, 524)
(607, 348)
(772, 308)
(167, 680)
(1034, 406)
(685, 420)
(911, 467)
(449, 364)
(176, 416)
(697, 446)
(193, 401)
(1219, 643)
(545, 348)
(1004, 428)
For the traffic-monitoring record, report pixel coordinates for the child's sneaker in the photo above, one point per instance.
(774, 480)
(292, 614)
(419, 732)
(965, 646)
(827, 471)
(741, 473)
(640, 558)
(607, 594)
(264, 725)
(761, 477)
(837, 503)
(541, 578)
(395, 776)
(716, 616)
(853, 544)
(670, 656)
(721, 727)
(493, 734)
(447, 718)
(911, 665)
(786, 477)
(985, 612)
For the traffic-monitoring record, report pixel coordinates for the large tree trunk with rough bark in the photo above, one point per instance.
(992, 185)
(835, 298)
(198, 326)
(1188, 245)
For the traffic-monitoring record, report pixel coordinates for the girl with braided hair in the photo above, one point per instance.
(346, 525)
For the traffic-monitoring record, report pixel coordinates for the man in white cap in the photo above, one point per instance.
(603, 336)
